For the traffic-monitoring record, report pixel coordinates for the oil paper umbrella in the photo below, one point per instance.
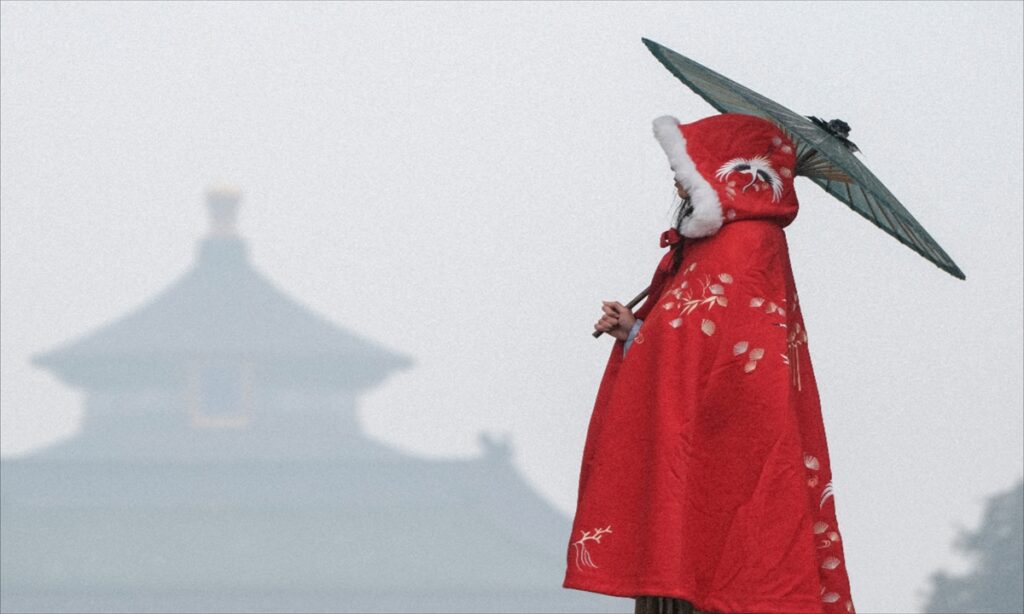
(824, 153)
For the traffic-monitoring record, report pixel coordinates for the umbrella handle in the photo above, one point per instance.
(629, 305)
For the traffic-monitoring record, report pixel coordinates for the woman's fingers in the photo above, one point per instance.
(614, 308)
(617, 311)
(613, 311)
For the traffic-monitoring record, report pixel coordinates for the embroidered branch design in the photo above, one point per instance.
(712, 293)
(582, 554)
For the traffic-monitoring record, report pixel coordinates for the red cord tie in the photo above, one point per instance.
(668, 238)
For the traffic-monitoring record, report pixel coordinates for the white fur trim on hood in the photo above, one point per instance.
(706, 218)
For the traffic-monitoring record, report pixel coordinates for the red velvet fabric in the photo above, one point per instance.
(705, 472)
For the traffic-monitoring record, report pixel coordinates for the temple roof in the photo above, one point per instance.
(224, 306)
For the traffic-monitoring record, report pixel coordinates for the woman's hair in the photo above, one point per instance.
(682, 207)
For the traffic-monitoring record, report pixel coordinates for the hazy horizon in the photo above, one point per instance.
(464, 183)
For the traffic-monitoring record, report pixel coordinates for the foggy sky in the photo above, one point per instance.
(466, 182)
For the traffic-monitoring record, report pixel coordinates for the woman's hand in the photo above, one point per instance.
(616, 321)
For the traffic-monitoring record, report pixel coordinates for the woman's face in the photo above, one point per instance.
(680, 190)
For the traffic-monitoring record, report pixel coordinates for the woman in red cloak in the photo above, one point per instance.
(705, 482)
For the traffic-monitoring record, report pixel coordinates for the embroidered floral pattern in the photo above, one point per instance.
(794, 339)
(825, 536)
(583, 557)
(686, 299)
(795, 336)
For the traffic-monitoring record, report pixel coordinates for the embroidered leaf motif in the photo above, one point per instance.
(676, 323)
(825, 494)
(722, 301)
(716, 289)
(756, 353)
(750, 366)
(707, 327)
(725, 278)
(830, 597)
(820, 527)
(756, 301)
(811, 462)
(739, 348)
(830, 563)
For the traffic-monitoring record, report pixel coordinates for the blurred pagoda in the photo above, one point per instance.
(221, 466)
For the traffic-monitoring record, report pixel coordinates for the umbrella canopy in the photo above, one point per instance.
(824, 155)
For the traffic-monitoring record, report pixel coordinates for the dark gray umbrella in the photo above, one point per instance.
(823, 152)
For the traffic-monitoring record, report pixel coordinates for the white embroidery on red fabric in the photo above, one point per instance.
(794, 340)
(760, 170)
(582, 554)
(686, 300)
(826, 493)
(795, 337)
(753, 356)
(823, 537)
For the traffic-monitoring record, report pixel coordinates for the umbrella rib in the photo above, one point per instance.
(917, 239)
(880, 213)
(922, 246)
(877, 216)
(910, 237)
(945, 263)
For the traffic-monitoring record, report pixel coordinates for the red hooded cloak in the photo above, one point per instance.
(705, 473)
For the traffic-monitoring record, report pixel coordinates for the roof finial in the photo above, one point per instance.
(222, 202)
